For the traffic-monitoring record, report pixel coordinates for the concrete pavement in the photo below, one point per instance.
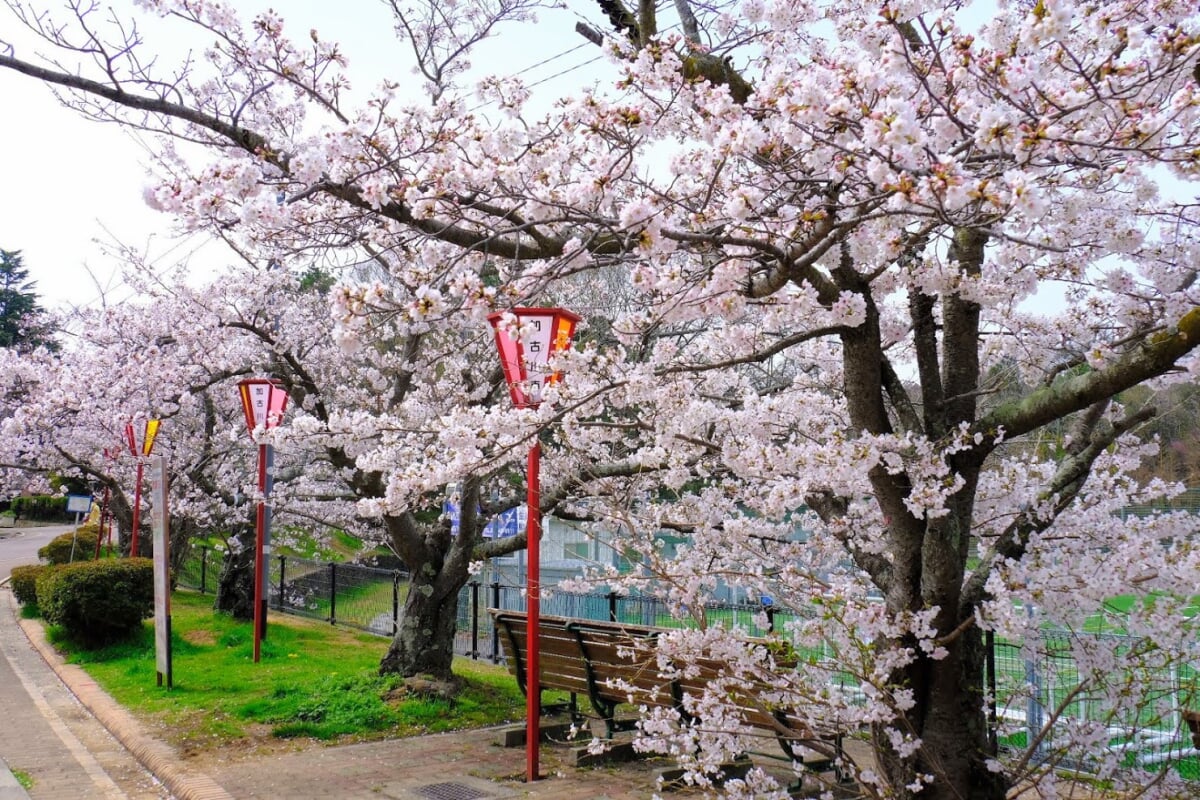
(20, 545)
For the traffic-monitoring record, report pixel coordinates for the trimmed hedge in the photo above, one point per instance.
(24, 581)
(77, 546)
(43, 507)
(98, 602)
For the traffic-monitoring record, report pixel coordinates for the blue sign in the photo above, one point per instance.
(450, 508)
(506, 523)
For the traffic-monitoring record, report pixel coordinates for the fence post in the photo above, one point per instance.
(282, 567)
(1034, 711)
(332, 593)
(612, 606)
(203, 566)
(395, 603)
(474, 620)
(989, 643)
(495, 632)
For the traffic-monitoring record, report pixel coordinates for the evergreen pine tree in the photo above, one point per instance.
(19, 308)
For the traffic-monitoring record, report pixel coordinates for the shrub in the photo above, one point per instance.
(44, 507)
(98, 602)
(24, 581)
(77, 546)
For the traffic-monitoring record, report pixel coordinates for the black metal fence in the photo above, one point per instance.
(1032, 690)
(372, 599)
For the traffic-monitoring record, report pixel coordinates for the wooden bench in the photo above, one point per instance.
(611, 664)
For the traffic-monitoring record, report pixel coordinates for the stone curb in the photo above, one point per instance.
(160, 759)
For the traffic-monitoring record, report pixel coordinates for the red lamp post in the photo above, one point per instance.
(526, 338)
(263, 401)
(139, 453)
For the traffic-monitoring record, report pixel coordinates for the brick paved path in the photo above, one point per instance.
(46, 733)
(456, 766)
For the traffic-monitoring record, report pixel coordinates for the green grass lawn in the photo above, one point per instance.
(314, 680)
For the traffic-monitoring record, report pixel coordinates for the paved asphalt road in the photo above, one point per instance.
(19, 546)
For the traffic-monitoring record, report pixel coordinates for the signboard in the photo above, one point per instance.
(506, 523)
(79, 503)
(526, 347)
(450, 507)
(258, 395)
(162, 569)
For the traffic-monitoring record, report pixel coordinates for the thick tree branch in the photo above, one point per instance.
(1154, 356)
(831, 509)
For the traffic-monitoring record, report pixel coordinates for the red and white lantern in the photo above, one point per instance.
(263, 401)
(140, 453)
(526, 339)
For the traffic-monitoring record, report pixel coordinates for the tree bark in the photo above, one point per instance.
(424, 643)
(951, 722)
(235, 587)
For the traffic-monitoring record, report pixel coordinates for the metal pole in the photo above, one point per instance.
(533, 691)
(260, 524)
(495, 630)
(203, 567)
(474, 620)
(137, 512)
(282, 567)
(989, 642)
(268, 487)
(110, 527)
(332, 593)
(395, 603)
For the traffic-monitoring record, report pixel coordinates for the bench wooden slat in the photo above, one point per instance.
(594, 658)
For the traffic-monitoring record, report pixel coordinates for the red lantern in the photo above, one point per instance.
(147, 447)
(150, 432)
(526, 339)
(263, 401)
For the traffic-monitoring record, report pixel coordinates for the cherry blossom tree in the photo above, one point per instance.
(121, 365)
(884, 268)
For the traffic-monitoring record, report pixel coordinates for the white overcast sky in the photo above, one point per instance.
(68, 185)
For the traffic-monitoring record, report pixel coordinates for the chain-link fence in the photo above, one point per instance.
(1044, 699)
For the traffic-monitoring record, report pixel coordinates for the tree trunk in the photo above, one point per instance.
(951, 721)
(235, 587)
(424, 643)
(183, 533)
(122, 520)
